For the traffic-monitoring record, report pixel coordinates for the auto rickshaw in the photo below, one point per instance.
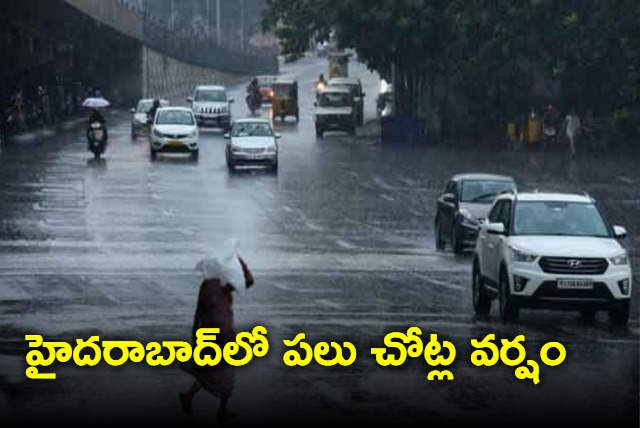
(285, 99)
(339, 64)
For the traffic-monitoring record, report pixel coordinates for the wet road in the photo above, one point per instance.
(341, 243)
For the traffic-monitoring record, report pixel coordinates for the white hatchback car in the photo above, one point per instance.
(545, 250)
(252, 142)
(174, 130)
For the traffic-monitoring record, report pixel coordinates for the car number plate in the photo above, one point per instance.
(174, 143)
(575, 284)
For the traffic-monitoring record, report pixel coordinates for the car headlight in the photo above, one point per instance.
(158, 133)
(620, 260)
(236, 149)
(468, 219)
(271, 149)
(522, 256)
(194, 134)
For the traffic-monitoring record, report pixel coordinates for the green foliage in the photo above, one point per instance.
(493, 49)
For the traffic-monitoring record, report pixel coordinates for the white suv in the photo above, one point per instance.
(554, 251)
(212, 106)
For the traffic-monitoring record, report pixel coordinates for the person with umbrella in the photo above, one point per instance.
(95, 104)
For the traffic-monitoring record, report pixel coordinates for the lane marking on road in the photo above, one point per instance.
(440, 283)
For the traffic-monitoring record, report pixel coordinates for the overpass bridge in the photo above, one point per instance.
(128, 48)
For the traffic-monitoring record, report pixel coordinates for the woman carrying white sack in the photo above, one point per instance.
(223, 274)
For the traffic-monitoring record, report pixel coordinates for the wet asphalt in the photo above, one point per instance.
(341, 244)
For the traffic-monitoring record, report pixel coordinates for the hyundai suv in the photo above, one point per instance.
(542, 250)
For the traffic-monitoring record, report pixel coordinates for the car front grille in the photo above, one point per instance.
(254, 151)
(574, 266)
(211, 110)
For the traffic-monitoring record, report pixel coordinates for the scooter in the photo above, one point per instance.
(97, 139)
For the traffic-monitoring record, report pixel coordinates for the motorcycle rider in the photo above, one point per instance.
(96, 117)
(320, 85)
(151, 114)
(254, 97)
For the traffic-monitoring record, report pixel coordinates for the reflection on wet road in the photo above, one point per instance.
(341, 241)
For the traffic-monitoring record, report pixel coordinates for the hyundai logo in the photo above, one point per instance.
(574, 264)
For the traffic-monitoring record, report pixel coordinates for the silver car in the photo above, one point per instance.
(252, 142)
(139, 121)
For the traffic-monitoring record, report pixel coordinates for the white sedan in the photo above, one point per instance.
(252, 142)
(174, 130)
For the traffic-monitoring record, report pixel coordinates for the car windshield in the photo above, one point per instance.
(265, 81)
(174, 117)
(353, 88)
(332, 99)
(252, 129)
(144, 106)
(559, 219)
(483, 191)
(211, 96)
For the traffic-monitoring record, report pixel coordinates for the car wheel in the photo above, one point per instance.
(133, 134)
(195, 155)
(440, 244)
(481, 302)
(319, 133)
(509, 310)
(153, 154)
(231, 166)
(619, 314)
(456, 244)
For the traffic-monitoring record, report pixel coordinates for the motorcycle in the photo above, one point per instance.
(254, 102)
(97, 139)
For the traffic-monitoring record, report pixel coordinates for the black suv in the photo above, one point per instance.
(463, 205)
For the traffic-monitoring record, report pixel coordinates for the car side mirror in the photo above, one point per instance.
(364, 94)
(449, 198)
(133, 111)
(189, 99)
(278, 136)
(227, 136)
(315, 104)
(231, 101)
(496, 228)
(619, 232)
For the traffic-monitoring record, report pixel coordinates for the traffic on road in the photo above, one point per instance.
(347, 239)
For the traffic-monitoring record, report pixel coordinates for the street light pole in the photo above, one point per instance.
(218, 34)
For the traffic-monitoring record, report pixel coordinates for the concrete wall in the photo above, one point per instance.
(174, 80)
(113, 14)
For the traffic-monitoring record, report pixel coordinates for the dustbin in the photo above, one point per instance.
(402, 130)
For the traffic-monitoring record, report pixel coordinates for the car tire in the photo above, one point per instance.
(440, 244)
(133, 134)
(481, 301)
(231, 166)
(619, 314)
(509, 310)
(319, 133)
(275, 167)
(456, 244)
(153, 154)
(195, 155)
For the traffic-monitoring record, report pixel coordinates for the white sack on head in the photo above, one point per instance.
(225, 266)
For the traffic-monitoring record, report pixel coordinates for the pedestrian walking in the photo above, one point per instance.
(223, 276)
(550, 125)
(572, 128)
